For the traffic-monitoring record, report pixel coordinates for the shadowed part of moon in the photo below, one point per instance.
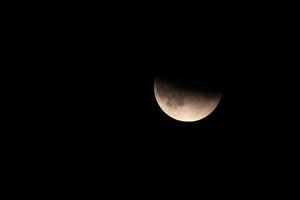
(183, 103)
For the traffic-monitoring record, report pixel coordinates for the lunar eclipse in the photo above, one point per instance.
(186, 99)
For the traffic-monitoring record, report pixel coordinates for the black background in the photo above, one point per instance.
(87, 101)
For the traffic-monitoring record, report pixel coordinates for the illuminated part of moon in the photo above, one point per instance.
(183, 104)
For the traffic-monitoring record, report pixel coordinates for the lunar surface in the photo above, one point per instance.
(185, 104)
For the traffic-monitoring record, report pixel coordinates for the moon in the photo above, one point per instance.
(182, 101)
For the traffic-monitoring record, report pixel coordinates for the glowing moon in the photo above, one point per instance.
(184, 104)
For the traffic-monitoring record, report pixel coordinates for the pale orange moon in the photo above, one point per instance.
(182, 104)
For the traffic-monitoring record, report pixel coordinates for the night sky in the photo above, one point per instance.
(90, 94)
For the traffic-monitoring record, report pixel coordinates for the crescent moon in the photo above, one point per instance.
(183, 104)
